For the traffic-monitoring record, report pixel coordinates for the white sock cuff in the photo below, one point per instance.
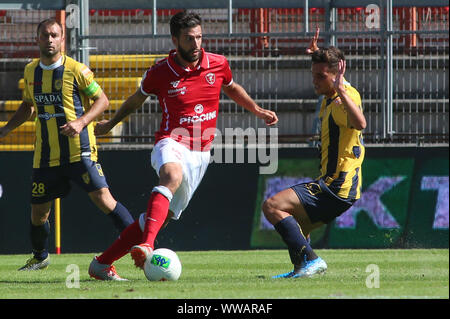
(164, 191)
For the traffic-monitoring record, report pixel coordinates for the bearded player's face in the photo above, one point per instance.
(189, 43)
(50, 39)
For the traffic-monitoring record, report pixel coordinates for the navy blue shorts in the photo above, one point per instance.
(54, 182)
(321, 204)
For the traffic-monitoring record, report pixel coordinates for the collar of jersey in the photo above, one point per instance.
(179, 70)
(335, 95)
(53, 66)
(331, 98)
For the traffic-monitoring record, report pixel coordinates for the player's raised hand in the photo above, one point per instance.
(313, 44)
(339, 79)
(102, 127)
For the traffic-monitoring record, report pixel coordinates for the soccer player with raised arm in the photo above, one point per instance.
(58, 90)
(298, 210)
(188, 85)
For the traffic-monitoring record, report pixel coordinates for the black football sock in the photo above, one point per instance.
(121, 217)
(298, 245)
(39, 240)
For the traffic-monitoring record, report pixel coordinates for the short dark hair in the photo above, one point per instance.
(331, 56)
(49, 21)
(182, 20)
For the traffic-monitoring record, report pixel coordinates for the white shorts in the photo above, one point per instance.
(194, 164)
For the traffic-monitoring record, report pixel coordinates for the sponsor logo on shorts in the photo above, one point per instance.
(86, 178)
(313, 188)
(99, 169)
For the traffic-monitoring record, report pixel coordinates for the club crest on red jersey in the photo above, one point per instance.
(210, 78)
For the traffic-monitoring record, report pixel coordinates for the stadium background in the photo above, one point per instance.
(399, 64)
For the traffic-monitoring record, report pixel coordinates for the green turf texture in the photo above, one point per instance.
(408, 273)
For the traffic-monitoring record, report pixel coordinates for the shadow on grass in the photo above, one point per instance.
(43, 281)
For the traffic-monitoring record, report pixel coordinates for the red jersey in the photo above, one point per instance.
(189, 98)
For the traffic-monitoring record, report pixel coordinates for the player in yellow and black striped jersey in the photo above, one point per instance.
(60, 94)
(296, 211)
(342, 149)
(58, 90)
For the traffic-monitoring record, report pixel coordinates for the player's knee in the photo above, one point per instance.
(171, 178)
(40, 213)
(272, 211)
(38, 219)
(269, 207)
(175, 177)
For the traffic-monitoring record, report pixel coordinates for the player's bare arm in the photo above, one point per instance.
(355, 116)
(23, 113)
(131, 104)
(240, 96)
(73, 128)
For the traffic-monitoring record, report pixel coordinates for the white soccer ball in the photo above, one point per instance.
(163, 265)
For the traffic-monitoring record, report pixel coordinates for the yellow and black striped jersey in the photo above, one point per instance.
(60, 93)
(342, 148)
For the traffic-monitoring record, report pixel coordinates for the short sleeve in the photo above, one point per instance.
(340, 113)
(228, 75)
(86, 82)
(356, 98)
(26, 94)
(148, 85)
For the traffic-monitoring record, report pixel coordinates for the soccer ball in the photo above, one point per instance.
(163, 265)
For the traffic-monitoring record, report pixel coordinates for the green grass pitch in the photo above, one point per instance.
(409, 274)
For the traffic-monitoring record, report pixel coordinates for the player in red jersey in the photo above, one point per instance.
(189, 97)
(188, 85)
